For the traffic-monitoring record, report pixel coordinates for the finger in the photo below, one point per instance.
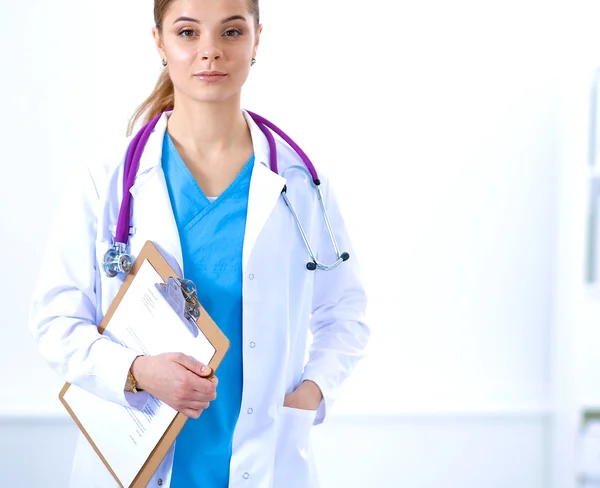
(193, 399)
(197, 405)
(198, 385)
(194, 408)
(190, 413)
(192, 365)
(197, 396)
(207, 372)
(194, 388)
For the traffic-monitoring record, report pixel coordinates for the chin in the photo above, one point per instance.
(212, 97)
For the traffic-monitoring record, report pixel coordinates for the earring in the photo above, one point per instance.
(164, 62)
(253, 62)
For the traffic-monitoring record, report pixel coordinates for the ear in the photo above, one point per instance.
(159, 43)
(259, 29)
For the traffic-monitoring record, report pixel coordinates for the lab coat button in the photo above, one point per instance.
(246, 476)
(252, 345)
(250, 411)
(160, 482)
(251, 276)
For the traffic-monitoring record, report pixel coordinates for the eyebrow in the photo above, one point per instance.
(224, 21)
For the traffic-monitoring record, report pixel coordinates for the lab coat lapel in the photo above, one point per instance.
(265, 190)
(151, 204)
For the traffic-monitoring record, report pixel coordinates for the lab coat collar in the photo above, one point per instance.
(152, 155)
(265, 190)
(259, 141)
(265, 185)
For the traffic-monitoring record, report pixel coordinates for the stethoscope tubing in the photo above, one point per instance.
(117, 260)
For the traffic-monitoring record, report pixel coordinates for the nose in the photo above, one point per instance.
(211, 53)
(208, 56)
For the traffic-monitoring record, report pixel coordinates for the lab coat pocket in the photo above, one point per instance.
(294, 465)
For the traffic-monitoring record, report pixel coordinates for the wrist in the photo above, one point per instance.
(313, 390)
(137, 371)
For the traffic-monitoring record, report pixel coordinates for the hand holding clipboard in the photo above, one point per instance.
(180, 381)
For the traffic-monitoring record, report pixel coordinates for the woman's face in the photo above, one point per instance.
(208, 46)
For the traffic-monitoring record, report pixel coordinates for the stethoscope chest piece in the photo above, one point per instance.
(116, 260)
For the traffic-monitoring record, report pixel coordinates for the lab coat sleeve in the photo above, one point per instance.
(338, 326)
(63, 312)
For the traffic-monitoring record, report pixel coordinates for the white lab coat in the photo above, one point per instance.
(282, 302)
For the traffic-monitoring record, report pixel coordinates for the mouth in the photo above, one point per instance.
(210, 76)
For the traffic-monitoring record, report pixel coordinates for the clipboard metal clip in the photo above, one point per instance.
(192, 305)
(181, 294)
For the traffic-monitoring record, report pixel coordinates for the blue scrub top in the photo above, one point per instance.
(212, 236)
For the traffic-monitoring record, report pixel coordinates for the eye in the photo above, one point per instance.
(232, 33)
(186, 33)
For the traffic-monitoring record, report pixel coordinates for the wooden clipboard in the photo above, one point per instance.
(216, 337)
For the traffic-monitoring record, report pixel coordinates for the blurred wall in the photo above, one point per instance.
(436, 121)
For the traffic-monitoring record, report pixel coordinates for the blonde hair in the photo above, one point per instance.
(162, 97)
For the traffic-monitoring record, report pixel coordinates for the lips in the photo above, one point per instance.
(211, 76)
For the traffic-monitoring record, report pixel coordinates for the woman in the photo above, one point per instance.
(204, 194)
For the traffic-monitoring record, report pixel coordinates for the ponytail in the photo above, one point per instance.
(160, 100)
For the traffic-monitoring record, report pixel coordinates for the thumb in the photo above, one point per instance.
(194, 366)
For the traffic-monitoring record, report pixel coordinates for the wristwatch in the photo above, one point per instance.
(131, 385)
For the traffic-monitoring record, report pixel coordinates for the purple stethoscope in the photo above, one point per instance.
(117, 260)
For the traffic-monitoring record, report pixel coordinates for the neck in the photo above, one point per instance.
(208, 129)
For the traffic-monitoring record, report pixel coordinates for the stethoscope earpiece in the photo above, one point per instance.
(314, 265)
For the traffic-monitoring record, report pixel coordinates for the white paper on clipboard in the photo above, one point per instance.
(147, 323)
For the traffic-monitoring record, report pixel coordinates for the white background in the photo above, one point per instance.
(456, 136)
